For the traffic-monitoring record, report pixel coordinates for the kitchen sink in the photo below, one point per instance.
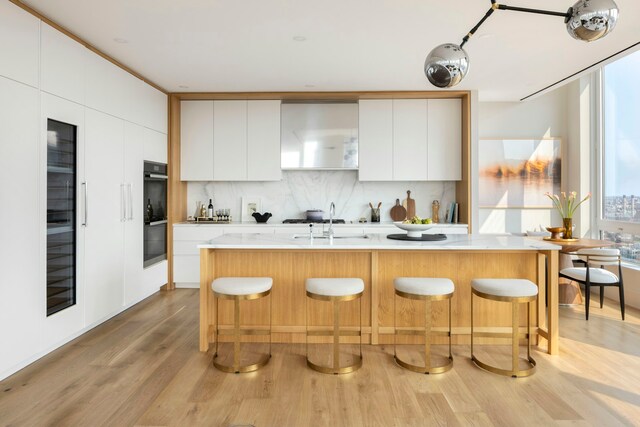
(337, 236)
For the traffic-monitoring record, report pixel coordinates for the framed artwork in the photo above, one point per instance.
(249, 206)
(516, 173)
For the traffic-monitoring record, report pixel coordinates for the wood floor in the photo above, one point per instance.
(144, 368)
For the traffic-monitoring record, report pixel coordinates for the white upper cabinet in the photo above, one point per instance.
(375, 146)
(263, 141)
(409, 139)
(107, 88)
(147, 106)
(62, 65)
(196, 141)
(230, 140)
(444, 140)
(19, 44)
(154, 146)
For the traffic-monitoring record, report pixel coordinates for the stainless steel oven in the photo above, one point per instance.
(155, 213)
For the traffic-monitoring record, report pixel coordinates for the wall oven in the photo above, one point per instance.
(155, 213)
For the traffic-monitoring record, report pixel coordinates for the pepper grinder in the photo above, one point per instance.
(435, 211)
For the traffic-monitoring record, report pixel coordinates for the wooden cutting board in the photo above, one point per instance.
(410, 205)
(398, 213)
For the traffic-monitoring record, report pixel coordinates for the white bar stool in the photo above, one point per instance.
(428, 290)
(335, 290)
(239, 289)
(515, 291)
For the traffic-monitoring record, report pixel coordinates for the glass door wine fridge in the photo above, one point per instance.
(61, 215)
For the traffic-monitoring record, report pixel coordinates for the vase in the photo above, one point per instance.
(568, 228)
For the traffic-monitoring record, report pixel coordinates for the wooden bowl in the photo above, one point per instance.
(556, 232)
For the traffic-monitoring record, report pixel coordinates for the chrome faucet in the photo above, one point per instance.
(332, 212)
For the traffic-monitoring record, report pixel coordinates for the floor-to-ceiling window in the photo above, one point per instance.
(619, 218)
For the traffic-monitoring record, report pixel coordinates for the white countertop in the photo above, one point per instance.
(376, 241)
(279, 224)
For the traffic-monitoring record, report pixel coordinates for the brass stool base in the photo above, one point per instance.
(424, 369)
(264, 359)
(336, 371)
(507, 372)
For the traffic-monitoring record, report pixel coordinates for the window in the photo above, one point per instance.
(620, 163)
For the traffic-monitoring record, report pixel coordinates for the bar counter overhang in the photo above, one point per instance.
(378, 260)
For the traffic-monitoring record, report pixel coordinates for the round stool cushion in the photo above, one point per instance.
(241, 285)
(427, 286)
(505, 287)
(335, 287)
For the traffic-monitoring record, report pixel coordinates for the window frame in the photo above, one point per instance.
(602, 224)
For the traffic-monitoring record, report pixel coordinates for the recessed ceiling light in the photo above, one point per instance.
(299, 38)
(183, 86)
(121, 40)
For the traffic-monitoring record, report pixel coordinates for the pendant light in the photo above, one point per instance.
(587, 20)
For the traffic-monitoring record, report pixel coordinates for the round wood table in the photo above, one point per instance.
(568, 290)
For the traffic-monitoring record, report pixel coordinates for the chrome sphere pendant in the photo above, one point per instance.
(591, 20)
(446, 65)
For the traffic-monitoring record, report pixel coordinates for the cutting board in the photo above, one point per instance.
(410, 205)
(398, 213)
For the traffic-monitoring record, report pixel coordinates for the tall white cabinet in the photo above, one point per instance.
(106, 206)
(410, 140)
(119, 122)
(230, 140)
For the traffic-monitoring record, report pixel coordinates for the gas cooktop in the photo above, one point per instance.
(308, 221)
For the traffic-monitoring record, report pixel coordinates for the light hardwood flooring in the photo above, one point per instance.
(143, 367)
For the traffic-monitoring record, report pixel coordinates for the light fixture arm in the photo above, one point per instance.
(495, 6)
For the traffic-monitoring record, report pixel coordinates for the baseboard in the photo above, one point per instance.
(187, 285)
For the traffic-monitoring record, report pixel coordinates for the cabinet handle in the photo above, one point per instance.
(130, 188)
(123, 213)
(86, 204)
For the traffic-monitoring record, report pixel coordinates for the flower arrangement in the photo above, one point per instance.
(566, 206)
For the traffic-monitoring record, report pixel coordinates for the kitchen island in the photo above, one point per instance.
(290, 259)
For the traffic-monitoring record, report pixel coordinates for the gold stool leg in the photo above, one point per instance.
(427, 335)
(515, 344)
(237, 333)
(336, 335)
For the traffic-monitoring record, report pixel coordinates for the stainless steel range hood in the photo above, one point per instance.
(319, 135)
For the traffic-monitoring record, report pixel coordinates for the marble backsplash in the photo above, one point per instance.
(302, 190)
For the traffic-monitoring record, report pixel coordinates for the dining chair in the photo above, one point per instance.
(591, 275)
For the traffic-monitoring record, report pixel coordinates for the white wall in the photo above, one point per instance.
(543, 117)
(302, 190)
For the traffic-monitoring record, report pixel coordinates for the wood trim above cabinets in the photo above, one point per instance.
(321, 95)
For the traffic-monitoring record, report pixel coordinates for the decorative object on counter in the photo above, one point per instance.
(566, 206)
(398, 213)
(414, 229)
(588, 20)
(362, 220)
(203, 211)
(262, 218)
(375, 212)
(198, 211)
(435, 211)
(451, 216)
(410, 205)
(421, 238)
(210, 209)
(315, 214)
(249, 206)
(523, 169)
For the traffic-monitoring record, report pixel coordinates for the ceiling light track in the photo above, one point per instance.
(587, 20)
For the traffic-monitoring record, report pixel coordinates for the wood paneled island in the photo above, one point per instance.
(377, 261)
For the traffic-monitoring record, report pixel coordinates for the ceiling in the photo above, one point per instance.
(349, 45)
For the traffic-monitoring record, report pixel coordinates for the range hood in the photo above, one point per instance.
(319, 135)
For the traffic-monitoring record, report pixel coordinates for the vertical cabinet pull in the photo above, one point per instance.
(123, 211)
(130, 188)
(86, 204)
